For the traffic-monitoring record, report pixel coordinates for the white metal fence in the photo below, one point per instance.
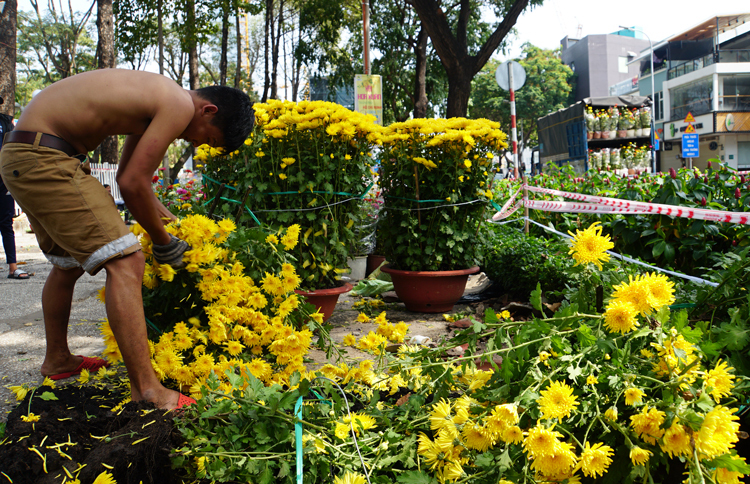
(105, 173)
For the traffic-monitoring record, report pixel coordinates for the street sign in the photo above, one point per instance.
(690, 129)
(519, 75)
(690, 146)
(689, 118)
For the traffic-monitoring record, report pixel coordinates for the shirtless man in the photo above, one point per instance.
(75, 220)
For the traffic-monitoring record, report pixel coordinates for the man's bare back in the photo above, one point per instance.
(86, 108)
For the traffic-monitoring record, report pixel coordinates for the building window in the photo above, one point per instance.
(694, 98)
(623, 64)
(659, 105)
(735, 93)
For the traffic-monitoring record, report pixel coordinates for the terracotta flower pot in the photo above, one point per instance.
(325, 299)
(429, 291)
(597, 134)
(373, 262)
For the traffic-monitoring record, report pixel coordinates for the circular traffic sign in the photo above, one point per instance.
(502, 78)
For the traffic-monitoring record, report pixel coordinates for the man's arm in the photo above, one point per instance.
(142, 155)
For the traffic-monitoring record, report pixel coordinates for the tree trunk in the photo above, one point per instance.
(420, 77)
(275, 52)
(106, 60)
(268, 32)
(459, 91)
(224, 43)
(193, 47)
(160, 34)
(238, 69)
(452, 47)
(8, 57)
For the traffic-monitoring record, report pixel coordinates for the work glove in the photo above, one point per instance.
(171, 253)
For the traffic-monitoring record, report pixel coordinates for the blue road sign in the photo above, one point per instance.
(690, 146)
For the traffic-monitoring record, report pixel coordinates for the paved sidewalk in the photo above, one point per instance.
(22, 343)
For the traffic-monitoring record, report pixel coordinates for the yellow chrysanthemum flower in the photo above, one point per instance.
(541, 441)
(640, 456)
(590, 246)
(350, 478)
(718, 433)
(557, 401)
(30, 417)
(676, 441)
(719, 380)
(647, 424)
(595, 460)
(363, 318)
(619, 317)
(350, 340)
(476, 437)
(633, 396)
(611, 413)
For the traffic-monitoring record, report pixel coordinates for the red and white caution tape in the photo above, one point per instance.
(594, 204)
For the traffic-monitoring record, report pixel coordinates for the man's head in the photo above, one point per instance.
(234, 115)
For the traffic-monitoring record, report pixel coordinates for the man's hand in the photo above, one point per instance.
(171, 253)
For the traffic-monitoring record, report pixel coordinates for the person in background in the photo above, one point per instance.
(7, 211)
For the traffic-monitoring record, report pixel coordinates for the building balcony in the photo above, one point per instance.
(722, 56)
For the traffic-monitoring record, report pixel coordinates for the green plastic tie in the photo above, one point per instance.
(153, 326)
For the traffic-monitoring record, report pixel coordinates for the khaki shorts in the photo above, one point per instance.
(73, 216)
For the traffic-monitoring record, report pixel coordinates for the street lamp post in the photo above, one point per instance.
(653, 94)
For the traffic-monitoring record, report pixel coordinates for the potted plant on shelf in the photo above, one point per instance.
(307, 164)
(436, 176)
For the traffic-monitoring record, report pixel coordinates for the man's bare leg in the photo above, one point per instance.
(127, 320)
(57, 299)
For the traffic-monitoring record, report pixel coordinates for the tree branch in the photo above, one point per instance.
(489, 47)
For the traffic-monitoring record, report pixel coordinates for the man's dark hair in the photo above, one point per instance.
(235, 116)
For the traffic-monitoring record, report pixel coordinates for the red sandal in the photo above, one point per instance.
(88, 363)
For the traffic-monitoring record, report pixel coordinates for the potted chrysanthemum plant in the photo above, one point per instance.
(436, 182)
(307, 164)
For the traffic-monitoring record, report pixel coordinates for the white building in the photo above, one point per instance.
(704, 72)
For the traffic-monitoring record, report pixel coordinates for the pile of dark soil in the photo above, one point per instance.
(78, 435)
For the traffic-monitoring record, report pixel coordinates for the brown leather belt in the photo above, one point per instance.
(47, 140)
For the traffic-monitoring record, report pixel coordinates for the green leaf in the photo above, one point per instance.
(48, 396)
(490, 317)
(705, 402)
(574, 372)
(415, 477)
(585, 336)
(536, 297)
(669, 252)
(727, 461)
(658, 249)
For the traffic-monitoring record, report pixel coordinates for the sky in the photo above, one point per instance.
(547, 25)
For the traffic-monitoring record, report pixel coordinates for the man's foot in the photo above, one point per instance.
(83, 363)
(165, 399)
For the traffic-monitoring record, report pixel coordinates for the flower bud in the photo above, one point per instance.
(742, 178)
(697, 175)
(734, 243)
(708, 166)
(703, 201)
(672, 173)
(705, 179)
(716, 177)
(737, 193)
